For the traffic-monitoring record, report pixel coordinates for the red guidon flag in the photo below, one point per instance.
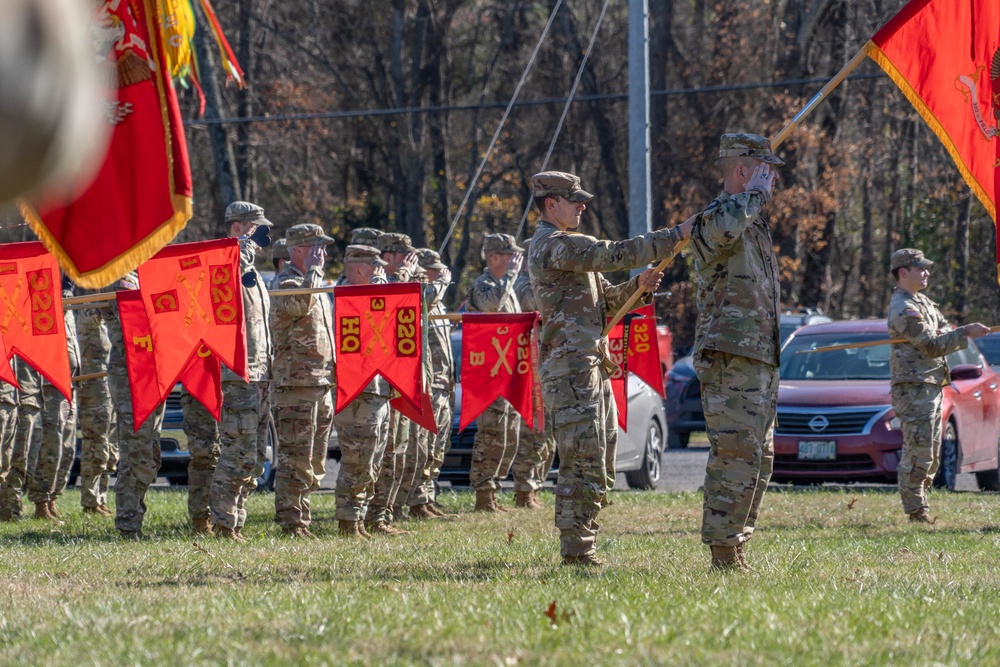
(140, 197)
(202, 376)
(644, 353)
(377, 329)
(31, 324)
(945, 57)
(424, 416)
(193, 298)
(619, 379)
(499, 355)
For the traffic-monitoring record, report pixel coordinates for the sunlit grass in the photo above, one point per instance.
(839, 578)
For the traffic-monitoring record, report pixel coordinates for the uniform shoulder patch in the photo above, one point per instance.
(912, 312)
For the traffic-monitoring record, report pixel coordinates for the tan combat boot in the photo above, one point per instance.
(422, 512)
(920, 516)
(202, 526)
(436, 511)
(53, 511)
(496, 503)
(522, 499)
(742, 558)
(94, 510)
(726, 558)
(585, 560)
(535, 502)
(349, 528)
(42, 512)
(224, 533)
(361, 529)
(105, 510)
(484, 501)
(382, 528)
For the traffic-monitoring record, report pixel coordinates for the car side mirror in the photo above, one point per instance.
(966, 372)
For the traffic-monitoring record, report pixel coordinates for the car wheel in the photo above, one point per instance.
(648, 476)
(677, 439)
(988, 480)
(945, 478)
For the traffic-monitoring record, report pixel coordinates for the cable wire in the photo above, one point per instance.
(565, 111)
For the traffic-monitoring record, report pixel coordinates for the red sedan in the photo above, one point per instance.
(835, 420)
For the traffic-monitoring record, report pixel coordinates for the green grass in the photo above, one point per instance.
(834, 584)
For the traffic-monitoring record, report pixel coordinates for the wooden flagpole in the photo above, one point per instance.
(868, 343)
(775, 142)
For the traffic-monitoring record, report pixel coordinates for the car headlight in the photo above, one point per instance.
(894, 424)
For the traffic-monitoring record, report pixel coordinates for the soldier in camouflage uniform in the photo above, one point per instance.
(95, 412)
(574, 300)
(302, 378)
(363, 425)
(202, 431)
(497, 426)
(401, 267)
(279, 255)
(422, 468)
(8, 431)
(736, 344)
(245, 406)
(533, 447)
(28, 437)
(918, 373)
(55, 458)
(139, 451)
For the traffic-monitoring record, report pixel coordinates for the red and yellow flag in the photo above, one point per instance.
(193, 299)
(619, 379)
(141, 196)
(378, 331)
(31, 314)
(499, 358)
(945, 57)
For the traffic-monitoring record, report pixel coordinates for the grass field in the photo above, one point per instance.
(839, 579)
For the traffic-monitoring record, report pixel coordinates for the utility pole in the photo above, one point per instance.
(638, 117)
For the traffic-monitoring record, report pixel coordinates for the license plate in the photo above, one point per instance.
(817, 450)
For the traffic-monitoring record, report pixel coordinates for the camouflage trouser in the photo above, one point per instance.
(304, 416)
(238, 433)
(581, 416)
(496, 434)
(264, 421)
(532, 452)
(8, 429)
(139, 455)
(29, 428)
(918, 406)
(202, 431)
(363, 432)
(391, 471)
(95, 420)
(55, 457)
(415, 468)
(739, 396)
(438, 444)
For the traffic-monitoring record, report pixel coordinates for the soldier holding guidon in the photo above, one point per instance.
(918, 373)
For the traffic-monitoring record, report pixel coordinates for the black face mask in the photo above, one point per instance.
(261, 236)
(249, 279)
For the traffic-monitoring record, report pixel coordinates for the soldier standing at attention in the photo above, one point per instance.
(363, 425)
(493, 292)
(96, 413)
(138, 451)
(575, 300)
(401, 267)
(246, 407)
(736, 344)
(8, 429)
(27, 441)
(302, 371)
(918, 373)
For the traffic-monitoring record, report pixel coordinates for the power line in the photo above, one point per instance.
(541, 101)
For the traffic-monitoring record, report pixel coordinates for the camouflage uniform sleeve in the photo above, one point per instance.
(434, 292)
(487, 296)
(908, 322)
(718, 226)
(581, 253)
(402, 275)
(617, 295)
(298, 306)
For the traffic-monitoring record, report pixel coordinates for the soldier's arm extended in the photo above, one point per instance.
(909, 324)
(486, 298)
(617, 295)
(723, 222)
(434, 292)
(580, 253)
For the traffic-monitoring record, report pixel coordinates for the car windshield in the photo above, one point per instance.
(990, 347)
(786, 329)
(865, 363)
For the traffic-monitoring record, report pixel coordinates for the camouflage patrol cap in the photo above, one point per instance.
(391, 242)
(244, 211)
(748, 145)
(365, 236)
(908, 257)
(364, 254)
(306, 234)
(559, 184)
(279, 249)
(430, 259)
(500, 243)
